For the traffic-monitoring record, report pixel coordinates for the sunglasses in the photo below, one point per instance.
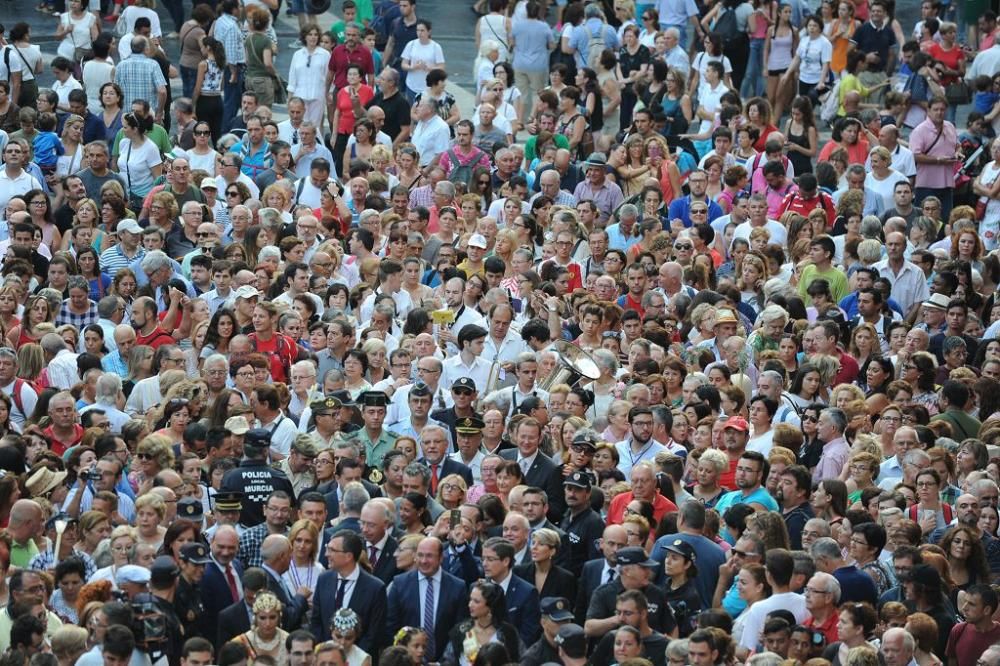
(683, 246)
(202, 133)
(461, 391)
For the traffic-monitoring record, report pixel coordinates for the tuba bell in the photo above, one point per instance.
(574, 364)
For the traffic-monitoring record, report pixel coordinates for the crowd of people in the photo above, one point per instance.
(682, 346)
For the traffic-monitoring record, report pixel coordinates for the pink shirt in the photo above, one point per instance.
(937, 176)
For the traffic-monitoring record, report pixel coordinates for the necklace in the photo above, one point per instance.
(264, 646)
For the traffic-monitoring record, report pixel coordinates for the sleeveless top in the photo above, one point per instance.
(780, 56)
(676, 122)
(212, 83)
(800, 162)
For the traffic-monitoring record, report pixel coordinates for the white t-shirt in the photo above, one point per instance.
(130, 14)
(135, 163)
(429, 53)
(204, 162)
(884, 188)
(812, 54)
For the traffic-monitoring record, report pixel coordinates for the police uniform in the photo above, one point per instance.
(602, 602)
(256, 480)
(165, 569)
(448, 416)
(374, 450)
(470, 426)
(583, 531)
(556, 609)
(231, 501)
(187, 600)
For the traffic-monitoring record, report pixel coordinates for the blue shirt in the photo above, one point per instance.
(855, 585)
(849, 304)
(759, 496)
(618, 240)
(679, 210)
(47, 148)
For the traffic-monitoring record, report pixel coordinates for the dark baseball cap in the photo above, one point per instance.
(556, 609)
(164, 569)
(682, 548)
(578, 479)
(635, 555)
(572, 640)
(195, 553)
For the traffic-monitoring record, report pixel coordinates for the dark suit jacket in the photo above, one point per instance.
(544, 474)
(295, 607)
(233, 621)
(215, 594)
(404, 607)
(449, 466)
(559, 582)
(352, 524)
(386, 569)
(367, 600)
(523, 610)
(589, 581)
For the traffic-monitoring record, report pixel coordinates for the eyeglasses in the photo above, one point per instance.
(202, 133)
(683, 246)
(699, 211)
(461, 391)
(810, 419)
(143, 456)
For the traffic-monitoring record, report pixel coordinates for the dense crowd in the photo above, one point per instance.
(680, 344)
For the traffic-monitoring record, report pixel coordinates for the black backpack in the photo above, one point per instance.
(726, 26)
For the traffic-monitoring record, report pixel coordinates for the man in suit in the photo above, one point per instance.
(410, 594)
(235, 618)
(600, 571)
(220, 586)
(523, 610)
(348, 470)
(417, 479)
(276, 553)
(347, 585)
(434, 442)
(517, 530)
(535, 506)
(376, 527)
(539, 470)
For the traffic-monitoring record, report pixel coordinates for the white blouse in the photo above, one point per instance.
(307, 74)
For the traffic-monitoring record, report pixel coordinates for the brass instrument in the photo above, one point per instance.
(574, 364)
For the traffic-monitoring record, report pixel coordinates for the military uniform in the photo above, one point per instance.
(375, 449)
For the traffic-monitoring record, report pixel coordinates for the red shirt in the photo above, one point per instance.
(829, 628)
(342, 57)
(795, 202)
(59, 447)
(728, 478)
(346, 107)
(155, 339)
(280, 351)
(616, 512)
(848, 369)
(856, 154)
(966, 643)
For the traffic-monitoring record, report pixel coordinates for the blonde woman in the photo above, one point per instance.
(751, 281)
(30, 362)
(451, 491)
(88, 214)
(266, 637)
(504, 247)
(304, 570)
(153, 455)
(117, 547)
(150, 510)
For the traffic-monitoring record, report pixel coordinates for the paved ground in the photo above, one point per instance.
(453, 25)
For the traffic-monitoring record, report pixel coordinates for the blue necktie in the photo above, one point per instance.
(338, 601)
(428, 624)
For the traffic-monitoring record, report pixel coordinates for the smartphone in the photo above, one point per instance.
(455, 518)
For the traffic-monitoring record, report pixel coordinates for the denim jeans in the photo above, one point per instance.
(232, 93)
(753, 78)
(188, 77)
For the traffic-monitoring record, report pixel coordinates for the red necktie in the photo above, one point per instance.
(434, 479)
(231, 579)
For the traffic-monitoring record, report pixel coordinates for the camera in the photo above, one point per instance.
(92, 474)
(149, 626)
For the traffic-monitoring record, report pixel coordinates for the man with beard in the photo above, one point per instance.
(751, 470)
(794, 488)
(583, 526)
(639, 445)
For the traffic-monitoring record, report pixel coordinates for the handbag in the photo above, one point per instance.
(958, 92)
(981, 208)
(80, 53)
(280, 85)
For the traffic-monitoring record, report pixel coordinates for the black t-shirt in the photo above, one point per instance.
(661, 616)
(397, 113)
(64, 218)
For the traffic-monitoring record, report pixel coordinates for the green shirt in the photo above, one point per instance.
(21, 554)
(529, 146)
(835, 276)
(374, 451)
(337, 31)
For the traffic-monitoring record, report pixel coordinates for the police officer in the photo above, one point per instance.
(463, 395)
(255, 478)
(349, 417)
(226, 509)
(163, 582)
(583, 526)
(187, 601)
(376, 440)
(556, 612)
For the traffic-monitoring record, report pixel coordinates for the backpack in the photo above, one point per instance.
(726, 26)
(828, 111)
(912, 514)
(16, 397)
(462, 173)
(595, 46)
